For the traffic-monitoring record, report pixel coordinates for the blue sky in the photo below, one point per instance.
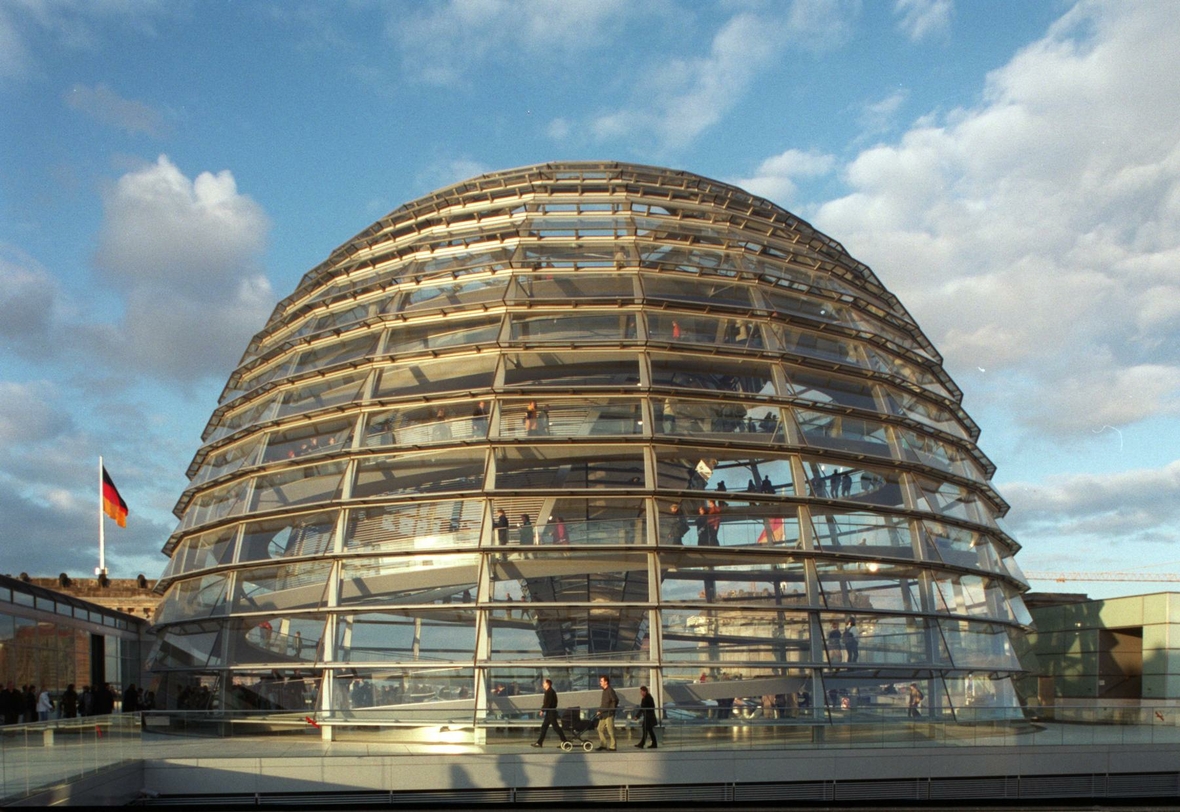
(1010, 170)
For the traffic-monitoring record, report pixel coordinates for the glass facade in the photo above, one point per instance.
(52, 640)
(582, 419)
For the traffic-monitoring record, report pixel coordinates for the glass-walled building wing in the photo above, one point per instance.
(589, 418)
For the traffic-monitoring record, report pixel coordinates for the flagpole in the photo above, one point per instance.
(102, 550)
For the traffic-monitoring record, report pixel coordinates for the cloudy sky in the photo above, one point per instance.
(1011, 170)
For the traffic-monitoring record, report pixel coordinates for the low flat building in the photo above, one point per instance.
(1111, 649)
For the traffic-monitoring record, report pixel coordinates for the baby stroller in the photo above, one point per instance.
(574, 726)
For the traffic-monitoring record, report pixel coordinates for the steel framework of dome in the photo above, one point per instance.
(731, 468)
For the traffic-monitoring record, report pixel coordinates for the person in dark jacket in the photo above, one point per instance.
(549, 714)
(131, 699)
(607, 709)
(69, 702)
(647, 714)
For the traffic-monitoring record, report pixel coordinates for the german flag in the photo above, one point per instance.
(113, 504)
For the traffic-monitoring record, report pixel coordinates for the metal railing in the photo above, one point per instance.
(39, 755)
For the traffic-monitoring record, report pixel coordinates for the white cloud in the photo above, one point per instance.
(28, 296)
(28, 414)
(1037, 233)
(676, 100)
(29, 28)
(444, 42)
(879, 116)
(178, 246)
(446, 172)
(107, 107)
(924, 19)
(775, 177)
(1138, 505)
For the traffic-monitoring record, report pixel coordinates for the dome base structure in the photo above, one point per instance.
(589, 419)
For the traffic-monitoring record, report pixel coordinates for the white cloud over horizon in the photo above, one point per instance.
(1034, 235)
(173, 245)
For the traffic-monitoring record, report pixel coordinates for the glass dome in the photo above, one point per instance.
(590, 418)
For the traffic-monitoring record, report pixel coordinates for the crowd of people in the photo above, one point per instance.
(26, 704)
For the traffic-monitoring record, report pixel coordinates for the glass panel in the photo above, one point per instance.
(566, 467)
(906, 404)
(834, 391)
(690, 329)
(425, 425)
(381, 695)
(889, 364)
(719, 578)
(202, 552)
(438, 579)
(194, 598)
(584, 577)
(455, 295)
(308, 397)
(739, 524)
(334, 351)
(420, 526)
(959, 547)
(257, 412)
(863, 534)
(729, 691)
(273, 689)
(843, 433)
(733, 636)
(582, 255)
(753, 422)
(228, 460)
(288, 537)
(980, 698)
(542, 288)
(721, 374)
(979, 645)
(830, 348)
(449, 375)
(548, 633)
(876, 639)
(326, 437)
(566, 328)
(1018, 608)
(417, 473)
(260, 376)
(871, 486)
(678, 472)
(181, 648)
(419, 637)
(594, 521)
(703, 290)
(342, 317)
(927, 450)
(282, 588)
(821, 310)
(869, 585)
(571, 370)
(426, 337)
(514, 692)
(298, 486)
(971, 595)
(275, 639)
(954, 501)
(585, 417)
(218, 503)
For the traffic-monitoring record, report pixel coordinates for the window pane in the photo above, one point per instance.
(310, 396)
(439, 579)
(564, 468)
(740, 524)
(584, 417)
(730, 637)
(954, 501)
(202, 552)
(721, 375)
(872, 486)
(228, 460)
(191, 599)
(450, 375)
(690, 329)
(275, 639)
(418, 473)
(716, 578)
(419, 526)
(544, 633)
(427, 425)
(869, 585)
(835, 391)
(566, 328)
(752, 422)
(729, 471)
(571, 370)
(325, 437)
(864, 534)
(279, 589)
(333, 352)
(298, 486)
(584, 578)
(288, 537)
(417, 338)
(540, 288)
(455, 295)
(843, 433)
(437, 636)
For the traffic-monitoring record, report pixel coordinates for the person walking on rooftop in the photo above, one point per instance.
(549, 714)
(607, 708)
(647, 715)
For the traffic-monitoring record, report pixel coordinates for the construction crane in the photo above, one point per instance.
(1062, 577)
